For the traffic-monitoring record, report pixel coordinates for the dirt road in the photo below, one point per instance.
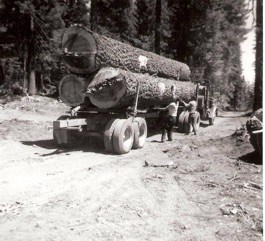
(87, 194)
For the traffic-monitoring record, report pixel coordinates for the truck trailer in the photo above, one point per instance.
(115, 96)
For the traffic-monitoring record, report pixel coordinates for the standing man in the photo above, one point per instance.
(211, 111)
(169, 120)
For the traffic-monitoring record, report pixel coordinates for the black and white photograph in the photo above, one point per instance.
(134, 120)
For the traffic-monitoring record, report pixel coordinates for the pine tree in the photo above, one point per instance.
(34, 27)
(259, 57)
(115, 19)
(144, 14)
(158, 11)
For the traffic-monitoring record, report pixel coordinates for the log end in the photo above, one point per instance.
(71, 90)
(107, 88)
(79, 50)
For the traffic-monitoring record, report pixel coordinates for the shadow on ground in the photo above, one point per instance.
(203, 125)
(252, 157)
(46, 144)
(85, 145)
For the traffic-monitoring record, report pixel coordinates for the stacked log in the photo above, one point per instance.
(71, 90)
(86, 52)
(116, 88)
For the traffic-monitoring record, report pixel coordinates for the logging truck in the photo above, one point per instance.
(206, 106)
(114, 90)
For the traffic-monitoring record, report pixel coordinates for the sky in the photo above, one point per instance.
(248, 52)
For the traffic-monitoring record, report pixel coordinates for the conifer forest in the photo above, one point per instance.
(206, 35)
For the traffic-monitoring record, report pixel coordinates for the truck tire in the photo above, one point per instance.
(216, 112)
(196, 121)
(211, 121)
(256, 141)
(152, 123)
(140, 132)
(123, 136)
(108, 134)
(187, 127)
(190, 121)
(203, 114)
(182, 117)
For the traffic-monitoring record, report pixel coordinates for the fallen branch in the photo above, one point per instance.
(251, 186)
(233, 178)
(255, 185)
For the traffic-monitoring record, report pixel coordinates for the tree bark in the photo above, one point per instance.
(85, 52)
(93, 15)
(32, 82)
(31, 61)
(25, 77)
(259, 57)
(2, 72)
(116, 88)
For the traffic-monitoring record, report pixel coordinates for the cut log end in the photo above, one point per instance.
(106, 89)
(80, 48)
(71, 90)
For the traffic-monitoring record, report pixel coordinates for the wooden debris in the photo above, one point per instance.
(159, 163)
(255, 185)
(235, 177)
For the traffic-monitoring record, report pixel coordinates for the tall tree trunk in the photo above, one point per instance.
(25, 77)
(259, 57)
(158, 26)
(2, 72)
(93, 14)
(31, 61)
(32, 82)
(186, 30)
(39, 81)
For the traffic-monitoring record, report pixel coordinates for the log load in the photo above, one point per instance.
(116, 88)
(85, 52)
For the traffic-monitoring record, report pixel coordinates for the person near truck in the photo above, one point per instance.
(191, 107)
(169, 120)
(211, 111)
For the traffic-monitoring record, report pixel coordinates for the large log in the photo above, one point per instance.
(86, 51)
(71, 89)
(116, 88)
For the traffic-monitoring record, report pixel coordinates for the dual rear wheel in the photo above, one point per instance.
(121, 135)
(189, 122)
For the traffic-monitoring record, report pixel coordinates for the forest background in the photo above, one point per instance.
(204, 34)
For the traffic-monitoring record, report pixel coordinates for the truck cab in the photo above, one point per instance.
(204, 99)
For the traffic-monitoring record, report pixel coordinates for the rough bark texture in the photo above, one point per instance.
(259, 57)
(116, 88)
(85, 52)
